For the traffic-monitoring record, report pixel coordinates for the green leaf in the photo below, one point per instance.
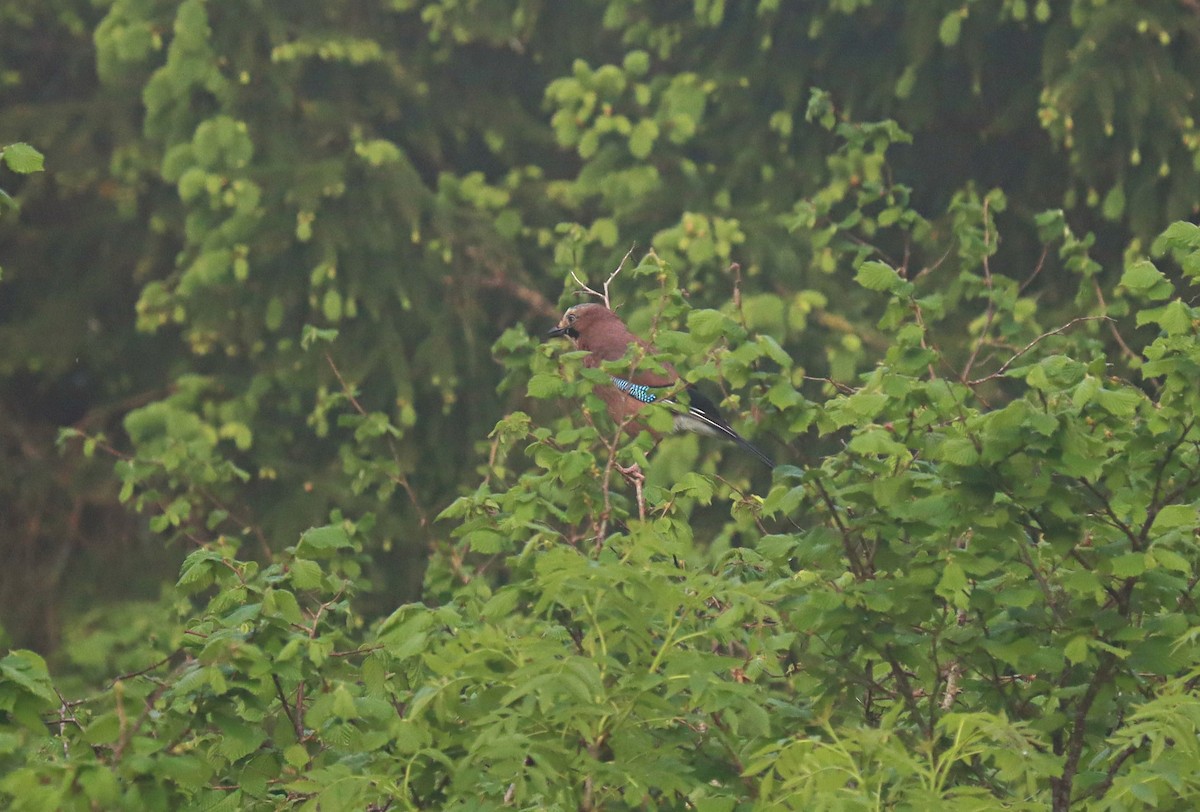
(1114, 203)
(1129, 565)
(958, 451)
(283, 603)
(878, 276)
(696, 486)
(1173, 516)
(950, 28)
(1119, 402)
(486, 541)
(27, 670)
(545, 385)
(321, 542)
(707, 325)
(310, 335)
(641, 140)
(1146, 280)
(1077, 649)
(953, 583)
(305, 574)
(22, 158)
(1171, 560)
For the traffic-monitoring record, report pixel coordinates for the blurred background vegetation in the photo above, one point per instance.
(422, 176)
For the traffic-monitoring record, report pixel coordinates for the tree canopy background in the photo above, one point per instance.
(274, 306)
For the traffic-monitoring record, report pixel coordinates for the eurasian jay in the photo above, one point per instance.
(600, 331)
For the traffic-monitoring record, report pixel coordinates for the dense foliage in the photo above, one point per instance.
(279, 294)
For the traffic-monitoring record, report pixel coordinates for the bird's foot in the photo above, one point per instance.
(632, 472)
(634, 476)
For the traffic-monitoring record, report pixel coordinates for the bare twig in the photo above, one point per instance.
(142, 671)
(842, 388)
(1112, 325)
(953, 674)
(604, 297)
(1037, 269)
(1057, 331)
(928, 269)
(633, 474)
(500, 278)
(65, 714)
(736, 269)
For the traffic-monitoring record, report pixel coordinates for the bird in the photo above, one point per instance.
(595, 328)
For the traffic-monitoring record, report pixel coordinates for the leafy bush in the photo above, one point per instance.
(981, 594)
(968, 584)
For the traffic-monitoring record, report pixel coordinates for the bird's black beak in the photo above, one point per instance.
(562, 331)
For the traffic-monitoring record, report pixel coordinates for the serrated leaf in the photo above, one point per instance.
(1171, 560)
(22, 158)
(545, 385)
(1077, 649)
(958, 451)
(486, 541)
(706, 325)
(27, 670)
(1129, 565)
(306, 574)
(878, 276)
(238, 739)
(694, 485)
(877, 440)
(1143, 278)
(283, 603)
(322, 540)
(1176, 318)
(1119, 402)
(953, 583)
(1176, 516)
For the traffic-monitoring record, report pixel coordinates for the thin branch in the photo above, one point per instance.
(604, 297)
(905, 687)
(736, 269)
(293, 717)
(398, 478)
(953, 674)
(847, 541)
(1037, 269)
(65, 714)
(501, 279)
(1108, 511)
(928, 269)
(1057, 331)
(140, 672)
(1099, 789)
(1112, 325)
(842, 388)
(990, 316)
(1047, 592)
(1061, 786)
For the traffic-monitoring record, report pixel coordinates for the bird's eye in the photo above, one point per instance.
(570, 318)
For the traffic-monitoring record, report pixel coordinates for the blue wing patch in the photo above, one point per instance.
(637, 391)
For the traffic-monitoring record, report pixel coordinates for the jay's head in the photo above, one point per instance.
(586, 319)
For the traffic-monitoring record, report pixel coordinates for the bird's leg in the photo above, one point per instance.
(633, 475)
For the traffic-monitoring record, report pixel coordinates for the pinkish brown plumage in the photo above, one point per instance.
(600, 331)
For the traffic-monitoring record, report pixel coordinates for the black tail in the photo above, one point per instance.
(703, 418)
(746, 444)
